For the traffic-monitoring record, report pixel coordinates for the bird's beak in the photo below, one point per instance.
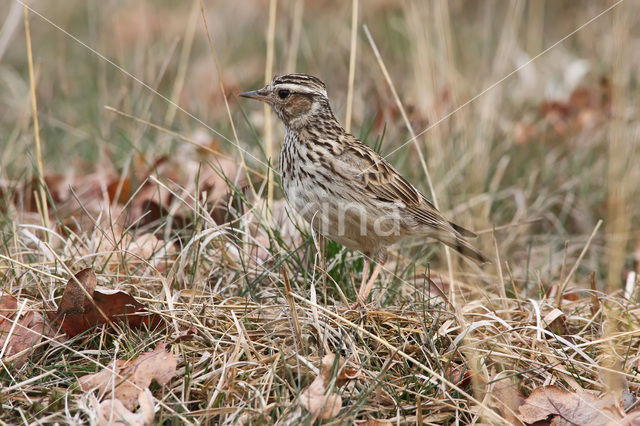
(260, 95)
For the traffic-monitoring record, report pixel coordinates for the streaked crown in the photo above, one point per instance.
(300, 100)
(301, 83)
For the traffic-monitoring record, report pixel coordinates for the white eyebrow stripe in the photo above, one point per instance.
(300, 89)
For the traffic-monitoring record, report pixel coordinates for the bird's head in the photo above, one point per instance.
(296, 98)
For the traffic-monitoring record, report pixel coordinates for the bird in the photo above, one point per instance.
(348, 192)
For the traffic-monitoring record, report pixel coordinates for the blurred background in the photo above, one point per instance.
(541, 154)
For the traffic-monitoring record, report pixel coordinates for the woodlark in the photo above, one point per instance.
(343, 188)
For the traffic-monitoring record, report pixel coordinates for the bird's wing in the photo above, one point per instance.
(380, 180)
(371, 175)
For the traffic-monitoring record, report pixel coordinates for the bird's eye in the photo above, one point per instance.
(283, 93)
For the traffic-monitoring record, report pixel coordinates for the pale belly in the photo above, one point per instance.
(346, 222)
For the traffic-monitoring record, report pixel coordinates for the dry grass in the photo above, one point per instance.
(532, 176)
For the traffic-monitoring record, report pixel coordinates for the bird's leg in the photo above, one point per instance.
(365, 274)
(362, 296)
(381, 258)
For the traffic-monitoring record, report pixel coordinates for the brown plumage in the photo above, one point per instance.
(347, 191)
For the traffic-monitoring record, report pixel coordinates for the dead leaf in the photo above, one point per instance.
(148, 248)
(318, 402)
(458, 374)
(585, 108)
(78, 293)
(556, 322)
(555, 110)
(120, 190)
(77, 313)
(212, 179)
(188, 335)
(144, 246)
(26, 333)
(133, 376)
(582, 408)
(62, 190)
(507, 399)
(57, 186)
(346, 374)
(113, 412)
(8, 306)
(151, 205)
(318, 398)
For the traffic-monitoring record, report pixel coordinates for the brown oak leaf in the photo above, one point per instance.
(133, 376)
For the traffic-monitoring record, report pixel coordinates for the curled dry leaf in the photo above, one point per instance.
(346, 374)
(318, 399)
(82, 307)
(26, 333)
(133, 376)
(78, 294)
(581, 408)
(113, 412)
(556, 323)
(507, 399)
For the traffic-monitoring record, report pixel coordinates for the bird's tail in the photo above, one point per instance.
(463, 231)
(459, 244)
